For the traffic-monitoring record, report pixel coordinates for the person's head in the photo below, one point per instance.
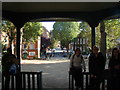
(9, 50)
(114, 52)
(77, 51)
(95, 50)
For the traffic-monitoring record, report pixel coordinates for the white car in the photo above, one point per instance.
(86, 56)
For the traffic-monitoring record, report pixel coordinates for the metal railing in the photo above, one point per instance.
(25, 81)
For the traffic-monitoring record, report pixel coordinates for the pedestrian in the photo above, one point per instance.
(77, 64)
(96, 68)
(9, 66)
(44, 52)
(114, 67)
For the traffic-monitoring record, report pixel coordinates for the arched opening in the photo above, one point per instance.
(58, 65)
(85, 32)
(92, 15)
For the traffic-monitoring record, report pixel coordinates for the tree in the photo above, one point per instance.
(65, 32)
(113, 32)
(31, 31)
(53, 43)
(112, 29)
(85, 32)
(10, 32)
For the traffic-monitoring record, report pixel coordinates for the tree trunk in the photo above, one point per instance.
(103, 39)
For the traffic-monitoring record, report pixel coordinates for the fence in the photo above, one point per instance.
(25, 81)
(86, 80)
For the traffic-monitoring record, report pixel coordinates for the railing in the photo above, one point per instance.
(86, 80)
(25, 81)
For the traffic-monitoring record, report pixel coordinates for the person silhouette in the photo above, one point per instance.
(96, 68)
(8, 60)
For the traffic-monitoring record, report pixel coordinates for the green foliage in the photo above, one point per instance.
(10, 30)
(85, 32)
(53, 43)
(65, 31)
(112, 29)
(98, 35)
(113, 32)
(31, 31)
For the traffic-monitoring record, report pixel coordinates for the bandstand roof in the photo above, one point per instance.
(91, 12)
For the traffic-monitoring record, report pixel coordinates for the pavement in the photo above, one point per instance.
(55, 72)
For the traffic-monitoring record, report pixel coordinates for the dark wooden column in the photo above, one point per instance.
(103, 39)
(18, 44)
(74, 45)
(93, 36)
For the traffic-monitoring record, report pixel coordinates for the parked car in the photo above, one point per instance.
(86, 56)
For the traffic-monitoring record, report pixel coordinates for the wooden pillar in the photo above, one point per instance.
(93, 36)
(103, 39)
(18, 45)
(74, 45)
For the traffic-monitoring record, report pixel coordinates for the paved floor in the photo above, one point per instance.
(55, 72)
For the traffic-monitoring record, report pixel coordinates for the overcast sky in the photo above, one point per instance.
(48, 25)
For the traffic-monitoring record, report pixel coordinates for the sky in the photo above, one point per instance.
(48, 25)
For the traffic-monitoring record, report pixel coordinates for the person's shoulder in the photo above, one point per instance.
(100, 54)
(5, 55)
(81, 56)
(73, 55)
(110, 58)
(91, 55)
(12, 56)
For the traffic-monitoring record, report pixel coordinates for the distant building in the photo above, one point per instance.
(45, 38)
(34, 49)
(79, 42)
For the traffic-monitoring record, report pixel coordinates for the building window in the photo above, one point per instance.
(84, 40)
(31, 53)
(32, 46)
(81, 41)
